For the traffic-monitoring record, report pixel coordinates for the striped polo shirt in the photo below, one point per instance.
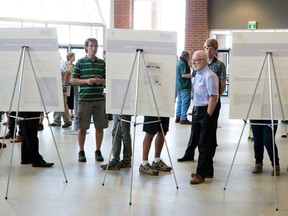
(86, 69)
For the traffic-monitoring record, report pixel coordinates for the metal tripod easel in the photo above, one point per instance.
(139, 52)
(19, 77)
(269, 59)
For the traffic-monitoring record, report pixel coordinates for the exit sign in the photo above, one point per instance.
(252, 25)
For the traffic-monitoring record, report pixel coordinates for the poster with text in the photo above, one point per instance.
(259, 75)
(140, 82)
(30, 65)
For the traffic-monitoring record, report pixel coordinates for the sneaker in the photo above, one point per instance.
(277, 171)
(125, 164)
(147, 169)
(196, 179)
(257, 169)
(2, 145)
(98, 156)
(66, 125)
(161, 166)
(81, 156)
(113, 165)
(54, 125)
(18, 139)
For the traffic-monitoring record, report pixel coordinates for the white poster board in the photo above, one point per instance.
(248, 54)
(159, 51)
(43, 48)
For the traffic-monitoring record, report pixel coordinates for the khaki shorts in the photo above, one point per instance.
(88, 109)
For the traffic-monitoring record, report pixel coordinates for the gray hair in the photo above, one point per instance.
(185, 54)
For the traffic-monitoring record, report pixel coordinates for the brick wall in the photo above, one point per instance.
(196, 26)
(123, 14)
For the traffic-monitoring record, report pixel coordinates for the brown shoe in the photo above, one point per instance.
(257, 169)
(7, 136)
(196, 179)
(277, 171)
(17, 139)
(185, 122)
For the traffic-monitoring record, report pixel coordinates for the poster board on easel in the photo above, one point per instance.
(248, 54)
(159, 51)
(43, 49)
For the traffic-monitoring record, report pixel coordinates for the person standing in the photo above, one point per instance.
(90, 74)
(218, 67)
(120, 133)
(65, 115)
(204, 115)
(183, 88)
(30, 143)
(151, 128)
(262, 134)
(70, 90)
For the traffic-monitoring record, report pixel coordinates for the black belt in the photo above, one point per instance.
(200, 108)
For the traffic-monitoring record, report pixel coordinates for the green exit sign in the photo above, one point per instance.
(252, 25)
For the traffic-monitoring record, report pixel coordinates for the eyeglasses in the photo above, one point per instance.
(196, 60)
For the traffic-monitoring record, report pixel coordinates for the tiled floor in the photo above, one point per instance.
(38, 191)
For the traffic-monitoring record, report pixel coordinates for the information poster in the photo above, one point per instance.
(259, 57)
(42, 45)
(129, 71)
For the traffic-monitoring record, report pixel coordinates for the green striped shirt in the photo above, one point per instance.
(86, 69)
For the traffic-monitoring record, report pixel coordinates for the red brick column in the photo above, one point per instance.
(196, 24)
(123, 14)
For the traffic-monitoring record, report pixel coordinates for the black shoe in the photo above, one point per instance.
(3, 145)
(66, 125)
(40, 127)
(185, 122)
(110, 117)
(98, 156)
(24, 162)
(177, 119)
(81, 156)
(185, 158)
(42, 164)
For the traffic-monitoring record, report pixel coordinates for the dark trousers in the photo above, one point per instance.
(262, 134)
(192, 144)
(30, 143)
(12, 125)
(204, 133)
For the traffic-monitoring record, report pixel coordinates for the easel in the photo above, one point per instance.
(268, 58)
(19, 77)
(139, 52)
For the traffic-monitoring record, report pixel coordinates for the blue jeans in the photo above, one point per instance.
(183, 103)
(262, 135)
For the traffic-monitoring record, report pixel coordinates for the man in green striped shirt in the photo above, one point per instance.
(90, 73)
